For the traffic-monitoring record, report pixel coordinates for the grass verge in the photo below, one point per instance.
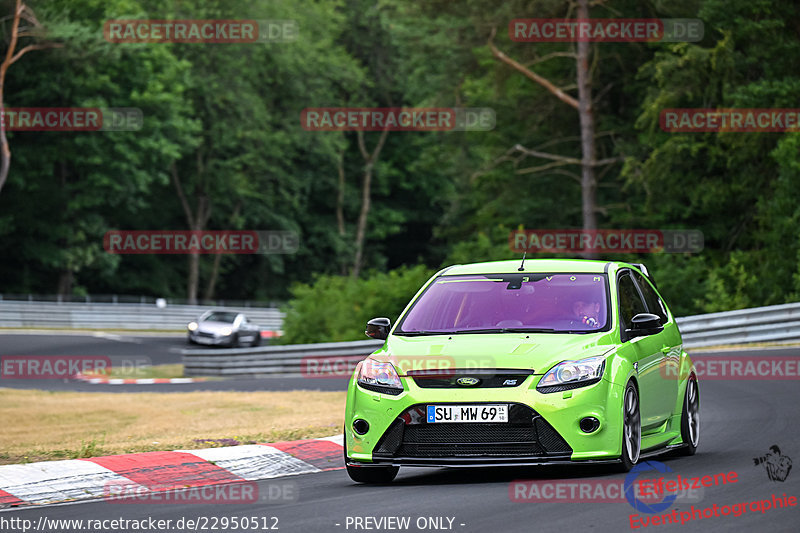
(50, 425)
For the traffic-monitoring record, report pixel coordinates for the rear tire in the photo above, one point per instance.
(256, 340)
(631, 429)
(370, 474)
(690, 417)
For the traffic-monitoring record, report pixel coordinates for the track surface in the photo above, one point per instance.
(740, 421)
(150, 349)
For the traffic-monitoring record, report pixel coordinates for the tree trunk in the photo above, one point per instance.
(196, 221)
(65, 279)
(366, 197)
(340, 196)
(194, 278)
(344, 260)
(21, 11)
(361, 227)
(588, 148)
(212, 280)
(586, 114)
(583, 105)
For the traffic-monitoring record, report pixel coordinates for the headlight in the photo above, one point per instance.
(225, 332)
(379, 377)
(192, 326)
(573, 374)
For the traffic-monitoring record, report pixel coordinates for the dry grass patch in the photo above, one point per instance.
(46, 425)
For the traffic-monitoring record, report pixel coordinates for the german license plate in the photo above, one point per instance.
(467, 413)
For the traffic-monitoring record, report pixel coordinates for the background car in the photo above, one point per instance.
(224, 328)
(554, 361)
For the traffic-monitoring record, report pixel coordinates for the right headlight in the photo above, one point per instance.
(379, 377)
(192, 326)
(572, 374)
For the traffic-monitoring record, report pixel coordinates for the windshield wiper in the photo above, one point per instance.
(488, 330)
(420, 333)
(507, 330)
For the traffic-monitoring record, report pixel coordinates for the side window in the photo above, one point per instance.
(654, 304)
(630, 303)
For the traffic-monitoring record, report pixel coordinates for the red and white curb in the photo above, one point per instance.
(82, 479)
(130, 381)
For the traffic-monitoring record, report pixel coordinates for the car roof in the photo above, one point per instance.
(533, 265)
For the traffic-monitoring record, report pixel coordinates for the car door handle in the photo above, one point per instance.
(666, 349)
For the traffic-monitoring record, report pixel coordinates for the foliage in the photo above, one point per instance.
(336, 308)
(225, 117)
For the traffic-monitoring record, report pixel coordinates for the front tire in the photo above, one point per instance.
(690, 417)
(631, 428)
(234, 341)
(256, 340)
(375, 475)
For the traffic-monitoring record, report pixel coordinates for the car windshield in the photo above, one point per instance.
(219, 316)
(549, 303)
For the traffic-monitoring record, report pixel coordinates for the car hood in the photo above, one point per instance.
(529, 351)
(213, 327)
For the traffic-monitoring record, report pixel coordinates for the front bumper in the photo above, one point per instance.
(210, 339)
(542, 428)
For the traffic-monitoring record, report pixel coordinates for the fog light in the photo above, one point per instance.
(360, 426)
(589, 424)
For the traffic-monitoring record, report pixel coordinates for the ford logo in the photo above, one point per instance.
(468, 382)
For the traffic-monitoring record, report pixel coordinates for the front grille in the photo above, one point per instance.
(468, 433)
(487, 379)
(467, 450)
(526, 434)
(204, 334)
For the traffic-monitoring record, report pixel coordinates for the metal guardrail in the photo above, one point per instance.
(774, 323)
(778, 323)
(131, 299)
(286, 361)
(15, 314)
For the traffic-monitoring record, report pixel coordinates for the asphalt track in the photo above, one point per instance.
(141, 349)
(740, 421)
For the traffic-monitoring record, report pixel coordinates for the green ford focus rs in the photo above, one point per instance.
(523, 363)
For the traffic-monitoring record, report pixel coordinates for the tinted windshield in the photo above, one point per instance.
(221, 317)
(497, 302)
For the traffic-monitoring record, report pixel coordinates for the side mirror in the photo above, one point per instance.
(378, 328)
(644, 324)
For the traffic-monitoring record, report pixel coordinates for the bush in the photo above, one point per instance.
(336, 308)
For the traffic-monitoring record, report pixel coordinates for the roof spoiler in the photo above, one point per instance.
(644, 270)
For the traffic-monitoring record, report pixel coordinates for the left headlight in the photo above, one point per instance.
(192, 326)
(226, 332)
(379, 377)
(573, 374)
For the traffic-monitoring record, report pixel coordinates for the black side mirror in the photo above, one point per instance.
(378, 328)
(644, 324)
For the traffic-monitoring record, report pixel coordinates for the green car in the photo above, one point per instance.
(523, 363)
